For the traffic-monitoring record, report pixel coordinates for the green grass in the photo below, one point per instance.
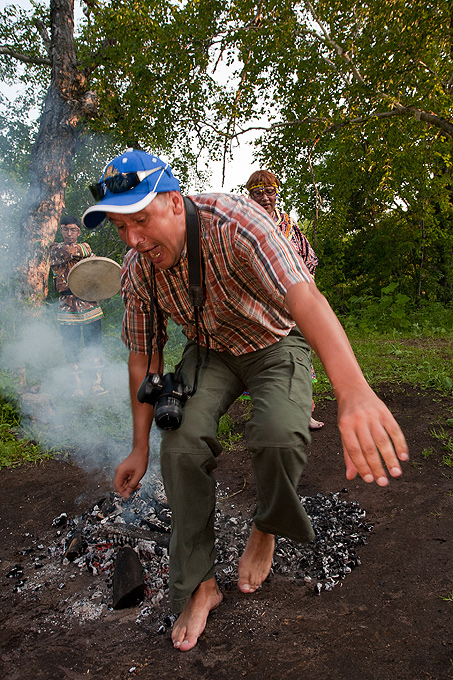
(14, 451)
(423, 363)
(447, 598)
(225, 434)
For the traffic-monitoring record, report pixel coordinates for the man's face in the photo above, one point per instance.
(70, 233)
(159, 230)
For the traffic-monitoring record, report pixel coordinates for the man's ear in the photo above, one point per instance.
(177, 202)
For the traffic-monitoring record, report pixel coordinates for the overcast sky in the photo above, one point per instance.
(237, 171)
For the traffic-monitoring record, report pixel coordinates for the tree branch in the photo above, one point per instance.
(99, 57)
(435, 121)
(255, 23)
(42, 30)
(25, 58)
(338, 49)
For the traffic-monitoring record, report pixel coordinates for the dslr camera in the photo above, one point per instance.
(168, 394)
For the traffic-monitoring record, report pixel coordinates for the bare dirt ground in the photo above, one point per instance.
(385, 620)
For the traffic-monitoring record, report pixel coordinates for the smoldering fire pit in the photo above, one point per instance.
(125, 545)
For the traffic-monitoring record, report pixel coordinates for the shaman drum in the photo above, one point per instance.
(95, 278)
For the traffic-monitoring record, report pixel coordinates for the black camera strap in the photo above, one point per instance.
(194, 255)
(196, 288)
(160, 334)
(196, 272)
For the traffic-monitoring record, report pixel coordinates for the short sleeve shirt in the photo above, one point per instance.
(249, 267)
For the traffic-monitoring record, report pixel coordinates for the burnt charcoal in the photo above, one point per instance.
(153, 526)
(128, 579)
(339, 528)
(61, 520)
(141, 525)
(77, 546)
(15, 572)
(131, 533)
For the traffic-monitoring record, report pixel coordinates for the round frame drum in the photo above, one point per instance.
(95, 278)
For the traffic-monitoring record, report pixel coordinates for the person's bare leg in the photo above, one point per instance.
(256, 561)
(192, 621)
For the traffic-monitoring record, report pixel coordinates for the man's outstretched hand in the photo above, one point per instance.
(371, 437)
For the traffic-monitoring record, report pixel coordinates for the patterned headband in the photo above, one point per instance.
(260, 185)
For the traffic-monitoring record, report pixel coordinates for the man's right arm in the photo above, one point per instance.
(129, 473)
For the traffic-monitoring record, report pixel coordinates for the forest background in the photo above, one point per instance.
(350, 104)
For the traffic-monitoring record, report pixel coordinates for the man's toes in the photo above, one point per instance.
(246, 587)
(178, 638)
(188, 644)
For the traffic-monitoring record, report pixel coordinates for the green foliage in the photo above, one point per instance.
(416, 349)
(225, 434)
(359, 102)
(370, 175)
(390, 311)
(15, 451)
(395, 311)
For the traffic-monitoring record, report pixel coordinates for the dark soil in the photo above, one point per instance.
(386, 620)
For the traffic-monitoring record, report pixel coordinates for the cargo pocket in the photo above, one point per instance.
(300, 386)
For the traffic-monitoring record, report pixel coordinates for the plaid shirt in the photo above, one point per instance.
(249, 267)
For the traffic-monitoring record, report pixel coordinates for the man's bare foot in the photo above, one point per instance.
(192, 621)
(256, 561)
(315, 424)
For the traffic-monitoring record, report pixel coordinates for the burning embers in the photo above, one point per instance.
(127, 543)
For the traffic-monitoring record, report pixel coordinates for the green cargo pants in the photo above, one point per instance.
(278, 379)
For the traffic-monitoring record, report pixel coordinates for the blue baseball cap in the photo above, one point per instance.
(128, 184)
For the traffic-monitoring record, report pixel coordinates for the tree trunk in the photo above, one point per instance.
(67, 101)
(49, 170)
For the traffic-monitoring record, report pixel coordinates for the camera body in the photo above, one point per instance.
(168, 394)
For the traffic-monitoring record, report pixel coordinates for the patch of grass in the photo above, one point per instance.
(428, 453)
(447, 443)
(446, 440)
(15, 451)
(225, 434)
(426, 363)
(247, 408)
(447, 598)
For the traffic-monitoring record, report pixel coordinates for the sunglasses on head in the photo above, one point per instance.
(124, 181)
(258, 192)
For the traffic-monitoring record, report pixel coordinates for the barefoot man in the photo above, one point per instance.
(261, 313)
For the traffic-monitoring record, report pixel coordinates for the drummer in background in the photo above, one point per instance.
(76, 317)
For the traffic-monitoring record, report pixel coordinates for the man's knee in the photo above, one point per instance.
(276, 432)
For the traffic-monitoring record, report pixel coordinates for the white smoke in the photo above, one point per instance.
(62, 407)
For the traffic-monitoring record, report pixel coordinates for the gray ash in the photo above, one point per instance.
(339, 528)
(91, 542)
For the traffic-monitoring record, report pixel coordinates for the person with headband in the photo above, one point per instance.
(260, 314)
(263, 187)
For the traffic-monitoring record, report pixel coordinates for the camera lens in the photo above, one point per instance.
(168, 413)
